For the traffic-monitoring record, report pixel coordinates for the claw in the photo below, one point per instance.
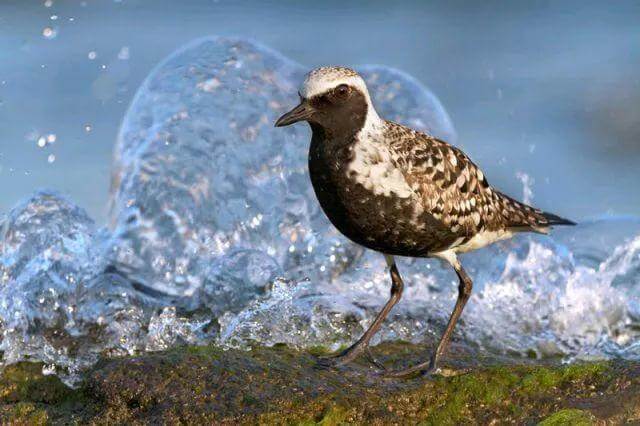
(373, 360)
(424, 369)
(337, 360)
(326, 363)
(349, 355)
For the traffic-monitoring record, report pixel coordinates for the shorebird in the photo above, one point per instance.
(400, 192)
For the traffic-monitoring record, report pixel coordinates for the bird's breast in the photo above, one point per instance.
(367, 198)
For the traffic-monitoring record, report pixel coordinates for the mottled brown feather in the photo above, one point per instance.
(454, 189)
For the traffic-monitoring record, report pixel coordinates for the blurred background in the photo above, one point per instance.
(546, 89)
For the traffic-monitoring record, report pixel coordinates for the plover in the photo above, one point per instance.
(400, 192)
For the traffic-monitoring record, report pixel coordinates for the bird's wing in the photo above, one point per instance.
(454, 190)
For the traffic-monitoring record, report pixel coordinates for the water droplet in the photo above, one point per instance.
(42, 141)
(123, 54)
(49, 33)
(51, 158)
(48, 369)
(92, 55)
(48, 3)
(54, 17)
(51, 138)
(88, 128)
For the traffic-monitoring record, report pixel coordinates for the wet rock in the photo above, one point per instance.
(196, 385)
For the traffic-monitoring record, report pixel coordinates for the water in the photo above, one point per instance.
(548, 88)
(214, 235)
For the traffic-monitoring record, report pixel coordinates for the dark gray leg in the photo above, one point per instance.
(362, 345)
(464, 292)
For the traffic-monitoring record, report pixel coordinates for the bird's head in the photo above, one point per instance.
(334, 99)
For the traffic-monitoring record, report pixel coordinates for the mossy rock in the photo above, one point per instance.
(205, 385)
(25, 382)
(573, 417)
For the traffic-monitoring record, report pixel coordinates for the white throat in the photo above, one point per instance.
(373, 124)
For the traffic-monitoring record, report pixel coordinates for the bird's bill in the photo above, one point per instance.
(299, 113)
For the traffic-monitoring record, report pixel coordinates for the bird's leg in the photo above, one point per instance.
(362, 345)
(464, 292)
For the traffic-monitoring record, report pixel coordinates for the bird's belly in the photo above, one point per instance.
(388, 223)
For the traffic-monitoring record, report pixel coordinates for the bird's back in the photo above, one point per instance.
(456, 192)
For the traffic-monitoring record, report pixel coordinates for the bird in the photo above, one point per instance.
(400, 192)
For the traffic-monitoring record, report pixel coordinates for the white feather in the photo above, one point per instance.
(483, 239)
(373, 167)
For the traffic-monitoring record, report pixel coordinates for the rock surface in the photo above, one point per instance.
(206, 385)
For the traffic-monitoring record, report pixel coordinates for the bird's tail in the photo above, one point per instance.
(522, 217)
(553, 219)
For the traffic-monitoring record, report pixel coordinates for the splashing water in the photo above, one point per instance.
(215, 235)
(527, 187)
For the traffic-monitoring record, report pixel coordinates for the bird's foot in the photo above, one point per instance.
(333, 361)
(372, 359)
(427, 368)
(349, 355)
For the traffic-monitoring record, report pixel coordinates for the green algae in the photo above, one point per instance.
(206, 384)
(25, 382)
(572, 417)
(507, 389)
(27, 396)
(28, 413)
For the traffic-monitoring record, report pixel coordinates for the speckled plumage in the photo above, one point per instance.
(400, 191)
(445, 185)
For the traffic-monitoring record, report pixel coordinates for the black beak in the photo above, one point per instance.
(299, 113)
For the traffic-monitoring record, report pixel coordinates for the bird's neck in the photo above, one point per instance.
(344, 131)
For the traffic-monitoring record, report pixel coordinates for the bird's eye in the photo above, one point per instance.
(342, 90)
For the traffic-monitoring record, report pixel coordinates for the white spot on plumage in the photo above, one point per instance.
(452, 159)
(373, 167)
(476, 218)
